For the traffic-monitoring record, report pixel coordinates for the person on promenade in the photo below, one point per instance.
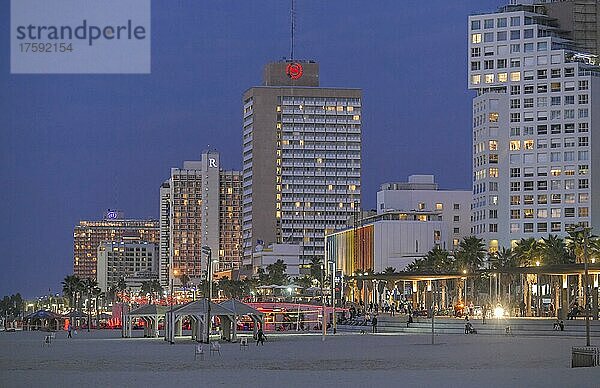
(467, 325)
(556, 325)
(374, 324)
(484, 312)
(410, 319)
(69, 329)
(260, 337)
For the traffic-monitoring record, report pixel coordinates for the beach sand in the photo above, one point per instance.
(102, 358)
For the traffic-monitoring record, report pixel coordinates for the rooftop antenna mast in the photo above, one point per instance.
(292, 28)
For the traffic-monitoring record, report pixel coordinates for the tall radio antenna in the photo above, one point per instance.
(292, 28)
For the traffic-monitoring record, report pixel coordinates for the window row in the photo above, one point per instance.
(557, 114)
(505, 50)
(542, 227)
(555, 184)
(501, 22)
(543, 158)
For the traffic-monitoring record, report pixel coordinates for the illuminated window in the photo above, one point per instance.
(476, 79)
(329, 187)
(421, 206)
(351, 187)
(297, 204)
(502, 77)
(493, 117)
(475, 38)
(489, 78)
(278, 125)
(528, 144)
(339, 108)
(356, 117)
(278, 108)
(493, 172)
(341, 204)
(515, 76)
(493, 145)
(439, 206)
(515, 145)
(349, 109)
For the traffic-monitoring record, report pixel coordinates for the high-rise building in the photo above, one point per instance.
(421, 193)
(301, 157)
(230, 220)
(88, 235)
(580, 19)
(537, 109)
(200, 205)
(127, 259)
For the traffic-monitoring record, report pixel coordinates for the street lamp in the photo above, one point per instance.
(171, 320)
(323, 321)
(206, 250)
(585, 232)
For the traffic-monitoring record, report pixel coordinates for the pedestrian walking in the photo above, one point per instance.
(374, 324)
(69, 329)
(260, 337)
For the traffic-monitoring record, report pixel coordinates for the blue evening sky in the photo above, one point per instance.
(72, 146)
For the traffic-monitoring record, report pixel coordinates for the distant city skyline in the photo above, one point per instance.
(76, 145)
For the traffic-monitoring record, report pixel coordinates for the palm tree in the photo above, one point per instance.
(471, 253)
(88, 286)
(72, 287)
(554, 250)
(97, 294)
(157, 288)
(121, 287)
(576, 245)
(527, 252)
(316, 269)
(470, 256)
(184, 279)
(146, 289)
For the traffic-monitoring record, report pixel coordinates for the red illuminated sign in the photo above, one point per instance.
(294, 70)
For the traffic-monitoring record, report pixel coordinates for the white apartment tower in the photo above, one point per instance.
(536, 118)
(301, 157)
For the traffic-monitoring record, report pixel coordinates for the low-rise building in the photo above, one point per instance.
(421, 193)
(392, 239)
(290, 254)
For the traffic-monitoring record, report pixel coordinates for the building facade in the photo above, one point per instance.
(301, 159)
(288, 253)
(421, 193)
(200, 206)
(230, 221)
(88, 235)
(129, 260)
(536, 146)
(392, 239)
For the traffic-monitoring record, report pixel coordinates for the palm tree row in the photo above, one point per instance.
(76, 289)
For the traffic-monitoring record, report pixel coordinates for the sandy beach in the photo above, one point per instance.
(102, 358)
